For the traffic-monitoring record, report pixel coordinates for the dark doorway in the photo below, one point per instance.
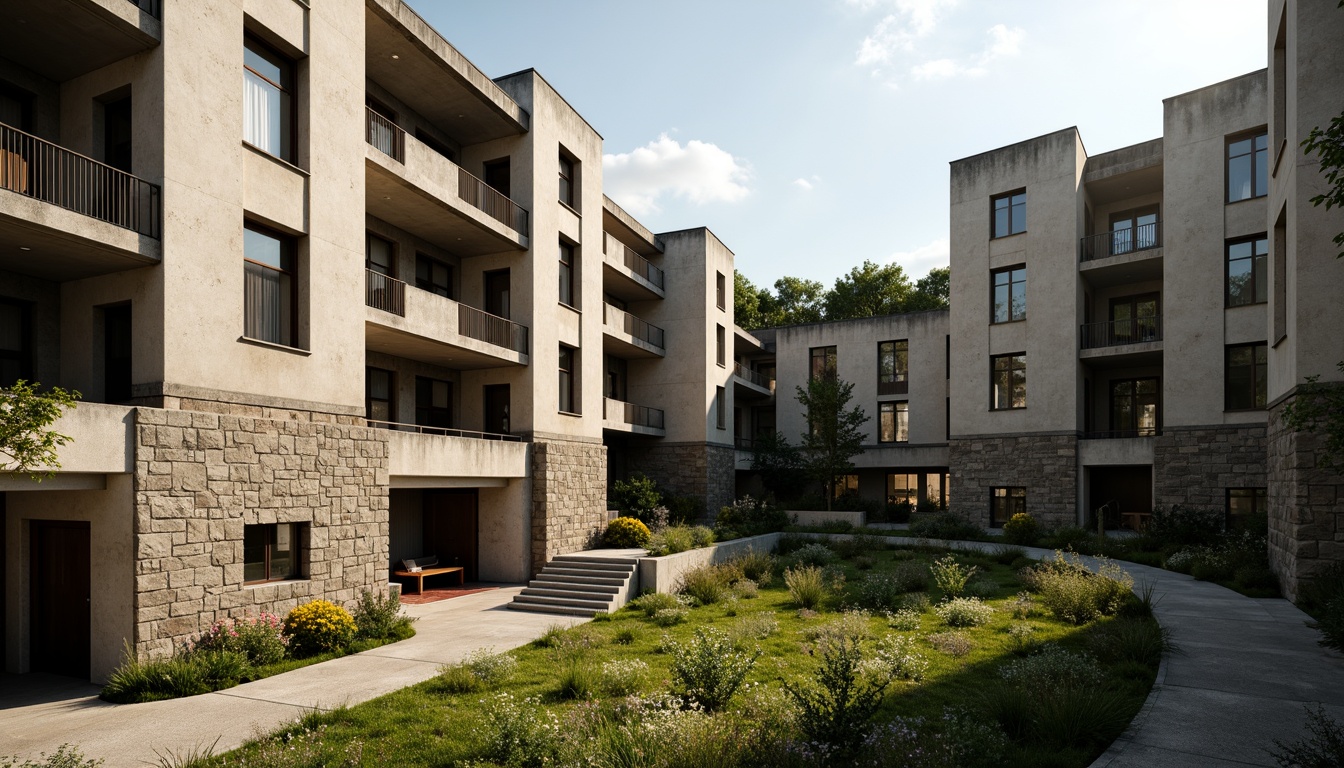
(1130, 487)
(450, 529)
(1135, 319)
(117, 353)
(497, 175)
(60, 598)
(497, 409)
(497, 293)
(117, 134)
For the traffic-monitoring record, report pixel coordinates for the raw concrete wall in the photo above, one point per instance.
(663, 574)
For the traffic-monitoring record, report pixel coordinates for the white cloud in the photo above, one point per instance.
(897, 32)
(919, 261)
(1003, 42)
(802, 183)
(697, 171)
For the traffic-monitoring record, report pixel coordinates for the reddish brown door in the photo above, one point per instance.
(450, 528)
(60, 598)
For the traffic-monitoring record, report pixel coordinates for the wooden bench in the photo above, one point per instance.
(420, 567)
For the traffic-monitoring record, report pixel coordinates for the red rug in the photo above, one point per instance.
(435, 594)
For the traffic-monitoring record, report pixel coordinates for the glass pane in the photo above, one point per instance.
(1239, 177)
(265, 64)
(440, 396)
(1260, 279)
(11, 328)
(902, 425)
(378, 253)
(1001, 303)
(254, 552)
(1019, 300)
(1019, 214)
(265, 249)
(282, 553)
(261, 114)
(1239, 287)
(1001, 218)
(888, 424)
(1261, 169)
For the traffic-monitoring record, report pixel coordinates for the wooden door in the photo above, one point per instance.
(496, 398)
(450, 529)
(497, 293)
(60, 597)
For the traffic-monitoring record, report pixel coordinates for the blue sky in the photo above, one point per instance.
(813, 135)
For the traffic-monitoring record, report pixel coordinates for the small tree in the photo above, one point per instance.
(636, 497)
(834, 435)
(779, 464)
(26, 443)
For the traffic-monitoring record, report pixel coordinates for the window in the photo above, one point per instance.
(378, 400)
(1244, 505)
(1248, 168)
(822, 363)
(270, 303)
(1134, 230)
(721, 407)
(1010, 294)
(567, 274)
(379, 255)
(893, 422)
(1010, 214)
(273, 552)
(846, 485)
(433, 402)
(1009, 377)
(566, 180)
(903, 488)
(721, 290)
(1134, 319)
(1245, 377)
(1134, 407)
(567, 359)
(1247, 281)
(268, 99)
(893, 367)
(433, 275)
(1004, 503)
(720, 346)
(16, 345)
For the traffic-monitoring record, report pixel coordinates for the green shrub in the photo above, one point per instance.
(960, 740)
(669, 617)
(755, 627)
(757, 565)
(677, 538)
(746, 589)
(840, 701)
(749, 516)
(790, 543)
(807, 586)
(951, 576)
(379, 617)
(1330, 621)
(701, 536)
(964, 612)
(520, 733)
(653, 602)
(815, 554)
(1180, 526)
(904, 619)
(885, 590)
(1022, 529)
(636, 497)
(1075, 594)
(707, 584)
(482, 670)
(1322, 589)
(551, 637)
(260, 640)
(184, 674)
(1007, 555)
(708, 670)
(900, 659)
(623, 677)
(953, 643)
(1136, 640)
(317, 627)
(1069, 718)
(1071, 538)
(1323, 747)
(946, 526)
(626, 532)
(916, 601)
(864, 562)
(683, 509)
(65, 756)
(1053, 668)
(579, 679)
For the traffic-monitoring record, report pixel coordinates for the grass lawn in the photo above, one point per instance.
(431, 724)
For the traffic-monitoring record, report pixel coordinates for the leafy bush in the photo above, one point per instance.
(579, 680)
(814, 554)
(482, 670)
(683, 509)
(1074, 593)
(701, 536)
(1323, 747)
(1021, 637)
(836, 707)
(708, 670)
(960, 740)
(184, 674)
(899, 512)
(669, 617)
(1022, 529)
(626, 532)
(757, 565)
(673, 539)
(790, 543)
(900, 659)
(946, 526)
(1180, 526)
(623, 677)
(624, 636)
(653, 602)
(746, 589)
(749, 516)
(1056, 697)
(884, 591)
(864, 562)
(706, 584)
(916, 601)
(807, 586)
(1330, 621)
(852, 546)
(379, 617)
(1051, 669)
(951, 576)
(520, 733)
(904, 619)
(1131, 640)
(260, 640)
(317, 627)
(65, 756)
(952, 643)
(637, 497)
(964, 612)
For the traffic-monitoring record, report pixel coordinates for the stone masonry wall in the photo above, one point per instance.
(569, 497)
(1046, 465)
(1306, 506)
(1195, 467)
(200, 477)
(702, 470)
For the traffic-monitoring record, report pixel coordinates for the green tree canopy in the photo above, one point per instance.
(933, 291)
(26, 442)
(867, 291)
(835, 435)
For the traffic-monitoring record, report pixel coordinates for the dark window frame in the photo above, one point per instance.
(895, 410)
(289, 254)
(1004, 502)
(426, 413)
(829, 365)
(565, 287)
(994, 384)
(565, 193)
(568, 360)
(721, 290)
(369, 238)
(390, 400)
(895, 381)
(289, 128)
(721, 407)
(1012, 312)
(1013, 201)
(1259, 378)
(1134, 398)
(721, 346)
(428, 284)
(298, 553)
(1259, 497)
(1259, 159)
(1259, 287)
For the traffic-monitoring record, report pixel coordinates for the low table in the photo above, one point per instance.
(420, 575)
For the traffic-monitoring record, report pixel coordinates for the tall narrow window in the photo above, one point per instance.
(1004, 503)
(1009, 214)
(16, 344)
(720, 290)
(1245, 377)
(378, 395)
(1135, 407)
(1010, 293)
(433, 402)
(268, 99)
(721, 407)
(720, 346)
(567, 379)
(1248, 168)
(1247, 280)
(566, 180)
(893, 367)
(893, 422)
(433, 275)
(567, 274)
(1009, 381)
(378, 255)
(269, 287)
(823, 363)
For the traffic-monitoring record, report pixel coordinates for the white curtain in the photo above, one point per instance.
(261, 113)
(263, 305)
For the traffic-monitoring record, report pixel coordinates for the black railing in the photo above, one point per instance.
(384, 135)
(497, 206)
(753, 377)
(898, 387)
(492, 329)
(632, 261)
(445, 431)
(1119, 434)
(629, 413)
(385, 293)
(629, 324)
(1120, 241)
(1115, 333)
(44, 171)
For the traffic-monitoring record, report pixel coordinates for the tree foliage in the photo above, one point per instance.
(1319, 408)
(835, 435)
(26, 442)
(1328, 144)
(780, 465)
(865, 291)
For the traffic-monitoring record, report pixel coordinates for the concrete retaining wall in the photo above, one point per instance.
(821, 517)
(662, 574)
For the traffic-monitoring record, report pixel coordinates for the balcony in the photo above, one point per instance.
(752, 382)
(627, 274)
(620, 416)
(424, 457)
(101, 443)
(412, 186)
(64, 40)
(1136, 341)
(419, 325)
(1122, 256)
(627, 336)
(65, 216)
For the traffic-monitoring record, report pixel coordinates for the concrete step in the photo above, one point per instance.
(569, 578)
(552, 570)
(624, 561)
(555, 609)
(571, 586)
(563, 602)
(568, 594)
(594, 564)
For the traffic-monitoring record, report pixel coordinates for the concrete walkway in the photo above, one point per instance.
(39, 713)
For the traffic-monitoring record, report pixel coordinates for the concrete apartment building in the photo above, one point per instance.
(370, 305)
(1126, 328)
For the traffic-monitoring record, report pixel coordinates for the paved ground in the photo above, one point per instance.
(1244, 673)
(39, 713)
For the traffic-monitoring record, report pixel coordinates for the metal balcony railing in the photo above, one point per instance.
(1116, 333)
(445, 431)
(896, 387)
(632, 260)
(629, 413)
(1120, 241)
(384, 135)
(477, 193)
(1116, 434)
(384, 292)
(627, 323)
(492, 329)
(759, 379)
(44, 171)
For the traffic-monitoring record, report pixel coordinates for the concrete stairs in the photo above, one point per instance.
(580, 584)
